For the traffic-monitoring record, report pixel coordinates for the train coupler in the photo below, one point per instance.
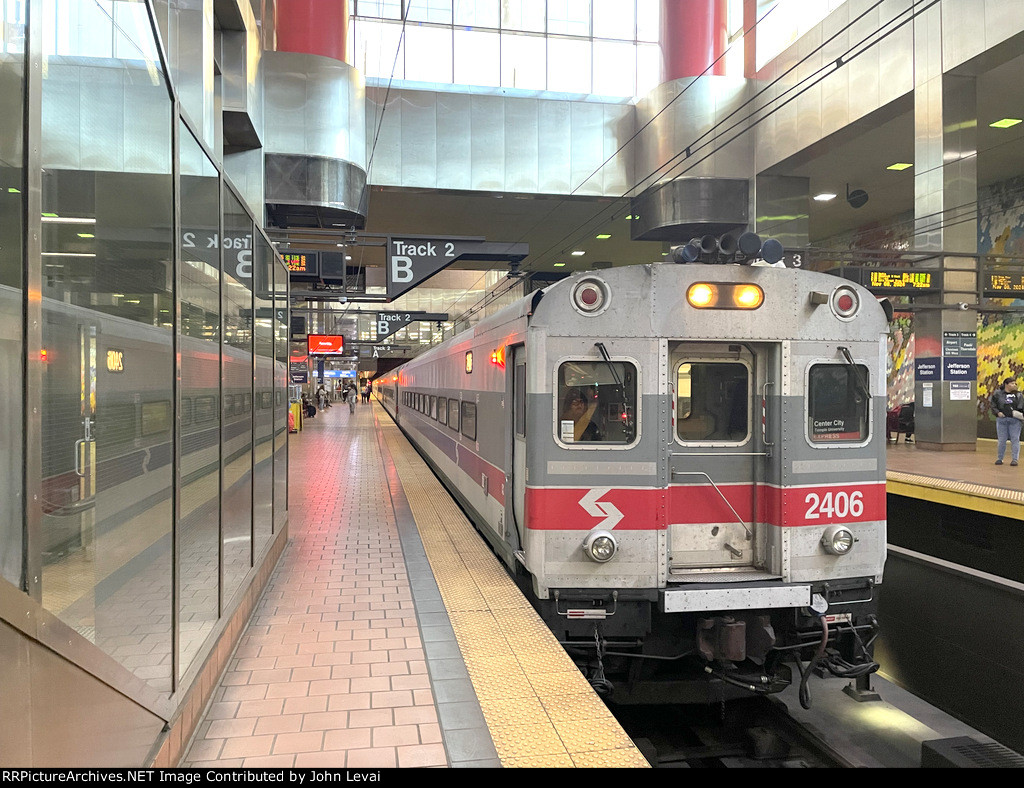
(735, 639)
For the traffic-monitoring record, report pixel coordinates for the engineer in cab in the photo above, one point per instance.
(577, 420)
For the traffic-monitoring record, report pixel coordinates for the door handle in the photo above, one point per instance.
(78, 469)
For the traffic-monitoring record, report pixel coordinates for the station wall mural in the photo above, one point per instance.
(1000, 335)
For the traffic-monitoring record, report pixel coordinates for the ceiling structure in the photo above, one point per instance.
(857, 157)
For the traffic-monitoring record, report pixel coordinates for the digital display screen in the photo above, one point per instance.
(1011, 285)
(892, 281)
(326, 344)
(879, 279)
(297, 263)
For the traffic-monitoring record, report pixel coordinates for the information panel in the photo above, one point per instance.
(302, 264)
(892, 281)
(326, 344)
(1003, 285)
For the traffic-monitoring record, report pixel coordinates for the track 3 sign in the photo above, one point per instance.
(414, 259)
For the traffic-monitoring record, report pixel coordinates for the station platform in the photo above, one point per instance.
(963, 479)
(390, 636)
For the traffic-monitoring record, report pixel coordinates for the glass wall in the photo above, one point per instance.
(107, 284)
(12, 76)
(263, 400)
(163, 319)
(603, 47)
(199, 347)
(282, 331)
(237, 391)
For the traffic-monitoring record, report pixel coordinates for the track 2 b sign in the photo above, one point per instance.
(414, 259)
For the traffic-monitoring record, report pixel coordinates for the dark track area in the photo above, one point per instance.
(756, 733)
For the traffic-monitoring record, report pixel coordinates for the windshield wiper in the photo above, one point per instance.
(862, 387)
(615, 374)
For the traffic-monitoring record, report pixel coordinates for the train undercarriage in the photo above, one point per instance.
(633, 653)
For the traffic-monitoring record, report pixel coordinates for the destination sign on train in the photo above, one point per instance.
(1004, 285)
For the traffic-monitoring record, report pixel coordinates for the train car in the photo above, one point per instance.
(682, 465)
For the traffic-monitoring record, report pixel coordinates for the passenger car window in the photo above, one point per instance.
(712, 401)
(596, 402)
(442, 410)
(453, 414)
(469, 420)
(837, 403)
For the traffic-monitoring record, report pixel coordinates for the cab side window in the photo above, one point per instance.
(838, 396)
(596, 402)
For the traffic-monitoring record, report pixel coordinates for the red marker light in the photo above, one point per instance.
(845, 303)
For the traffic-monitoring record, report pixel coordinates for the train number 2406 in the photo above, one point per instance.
(838, 504)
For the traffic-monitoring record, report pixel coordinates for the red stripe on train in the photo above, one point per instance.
(644, 509)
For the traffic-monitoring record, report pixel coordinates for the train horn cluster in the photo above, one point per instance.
(728, 248)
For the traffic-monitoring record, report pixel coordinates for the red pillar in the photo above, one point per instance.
(315, 27)
(693, 36)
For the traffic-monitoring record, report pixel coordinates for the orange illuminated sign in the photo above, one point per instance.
(326, 344)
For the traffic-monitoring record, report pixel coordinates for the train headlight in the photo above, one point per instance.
(837, 540)
(702, 295)
(600, 546)
(748, 296)
(724, 295)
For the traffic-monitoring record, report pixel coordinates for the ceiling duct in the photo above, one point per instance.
(690, 208)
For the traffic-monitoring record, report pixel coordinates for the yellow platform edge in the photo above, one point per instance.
(521, 675)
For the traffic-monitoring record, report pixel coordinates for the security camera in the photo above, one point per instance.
(963, 307)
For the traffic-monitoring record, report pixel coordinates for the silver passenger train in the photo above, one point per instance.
(682, 465)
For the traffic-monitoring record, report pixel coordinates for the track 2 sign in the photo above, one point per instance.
(411, 260)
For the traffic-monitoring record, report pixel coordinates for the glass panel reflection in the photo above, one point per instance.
(281, 400)
(263, 403)
(12, 86)
(107, 251)
(199, 523)
(237, 390)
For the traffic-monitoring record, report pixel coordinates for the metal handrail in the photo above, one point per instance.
(701, 473)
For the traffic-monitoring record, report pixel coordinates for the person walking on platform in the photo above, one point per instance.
(353, 394)
(1008, 404)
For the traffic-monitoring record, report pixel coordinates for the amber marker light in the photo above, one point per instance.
(748, 296)
(702, 295)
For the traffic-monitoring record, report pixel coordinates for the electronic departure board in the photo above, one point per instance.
(1004, 285)
(297, 263)
(899, 281)
(893, 281)
(302, 263)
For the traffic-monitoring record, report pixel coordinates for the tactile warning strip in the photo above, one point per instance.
(540, 710)
(964, 495)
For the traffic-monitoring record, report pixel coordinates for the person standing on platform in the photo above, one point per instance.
(353, 394)
(1008, 404)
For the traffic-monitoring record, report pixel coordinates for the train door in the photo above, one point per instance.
(518, 481)
(717, 459)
